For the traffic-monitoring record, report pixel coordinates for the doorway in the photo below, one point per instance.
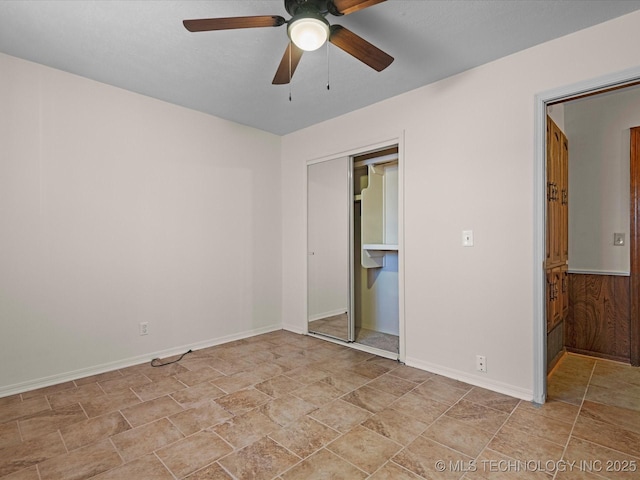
(616, 81)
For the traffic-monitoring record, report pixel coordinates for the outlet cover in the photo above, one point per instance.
(481, 363)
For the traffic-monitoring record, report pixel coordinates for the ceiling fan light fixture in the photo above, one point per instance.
(309, 33)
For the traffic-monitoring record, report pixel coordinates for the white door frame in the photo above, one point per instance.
(618, 79)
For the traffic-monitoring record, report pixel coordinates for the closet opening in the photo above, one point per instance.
(375, 249)
(353, 237)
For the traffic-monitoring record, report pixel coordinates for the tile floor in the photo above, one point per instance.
(284, 406)
(379, 340)
(337, 326)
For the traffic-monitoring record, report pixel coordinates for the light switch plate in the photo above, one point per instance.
(467, 238)
(618, 239)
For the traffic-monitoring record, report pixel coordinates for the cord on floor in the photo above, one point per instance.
(155, 360)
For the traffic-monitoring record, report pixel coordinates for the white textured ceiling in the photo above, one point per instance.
(141, 45)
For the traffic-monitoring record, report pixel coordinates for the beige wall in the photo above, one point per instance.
(468, 164)
(598, 132)
(556, 112)
(116, 209)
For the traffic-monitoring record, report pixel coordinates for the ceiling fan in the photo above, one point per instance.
(308, 30)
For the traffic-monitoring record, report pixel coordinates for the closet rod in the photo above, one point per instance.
(377, 160)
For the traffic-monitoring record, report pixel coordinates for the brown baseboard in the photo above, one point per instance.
(551, 365)
(597, 354)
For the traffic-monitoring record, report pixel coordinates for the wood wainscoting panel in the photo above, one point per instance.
(555, 345)
(599, 316)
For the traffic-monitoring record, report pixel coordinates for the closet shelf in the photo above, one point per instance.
(387, 247)
(374, 253)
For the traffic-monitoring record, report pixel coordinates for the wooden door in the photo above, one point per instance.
(564, 199)
(557, 226)
(554, 300)
(556, 214)
(551, 211)
(564, 292)
(548, 233)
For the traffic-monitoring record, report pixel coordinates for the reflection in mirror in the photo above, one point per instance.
(328, 248)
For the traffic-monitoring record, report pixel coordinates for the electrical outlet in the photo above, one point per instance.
(481, 363)
(144, 328)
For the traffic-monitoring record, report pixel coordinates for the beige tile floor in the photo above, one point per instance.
(337, 326)
(284, 406)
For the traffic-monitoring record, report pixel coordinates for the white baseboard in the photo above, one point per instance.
(34, 384)
(357, 346)
(295, 329)
(475, 380)
(320, 316)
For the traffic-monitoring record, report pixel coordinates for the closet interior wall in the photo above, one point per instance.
(375, 249)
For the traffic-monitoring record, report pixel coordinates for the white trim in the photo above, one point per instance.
(27, 386)
(295, 329)
(351, 335)
(580, 271)
(541, 100)
(465, 377)
(363, 149)
(305, 213)
(357, 346)
(539, 242)
(320, 316)
(401, 252)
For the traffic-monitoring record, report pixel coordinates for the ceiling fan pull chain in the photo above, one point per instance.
(328, 68)
(290, 48)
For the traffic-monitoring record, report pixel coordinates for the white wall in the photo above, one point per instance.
(556, 112)
(598, 132)
(469, 163)
(115, 209)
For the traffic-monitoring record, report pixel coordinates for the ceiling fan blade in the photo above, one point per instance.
(208, 24)
(282, 74)
(345, 7)
(358, 47)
